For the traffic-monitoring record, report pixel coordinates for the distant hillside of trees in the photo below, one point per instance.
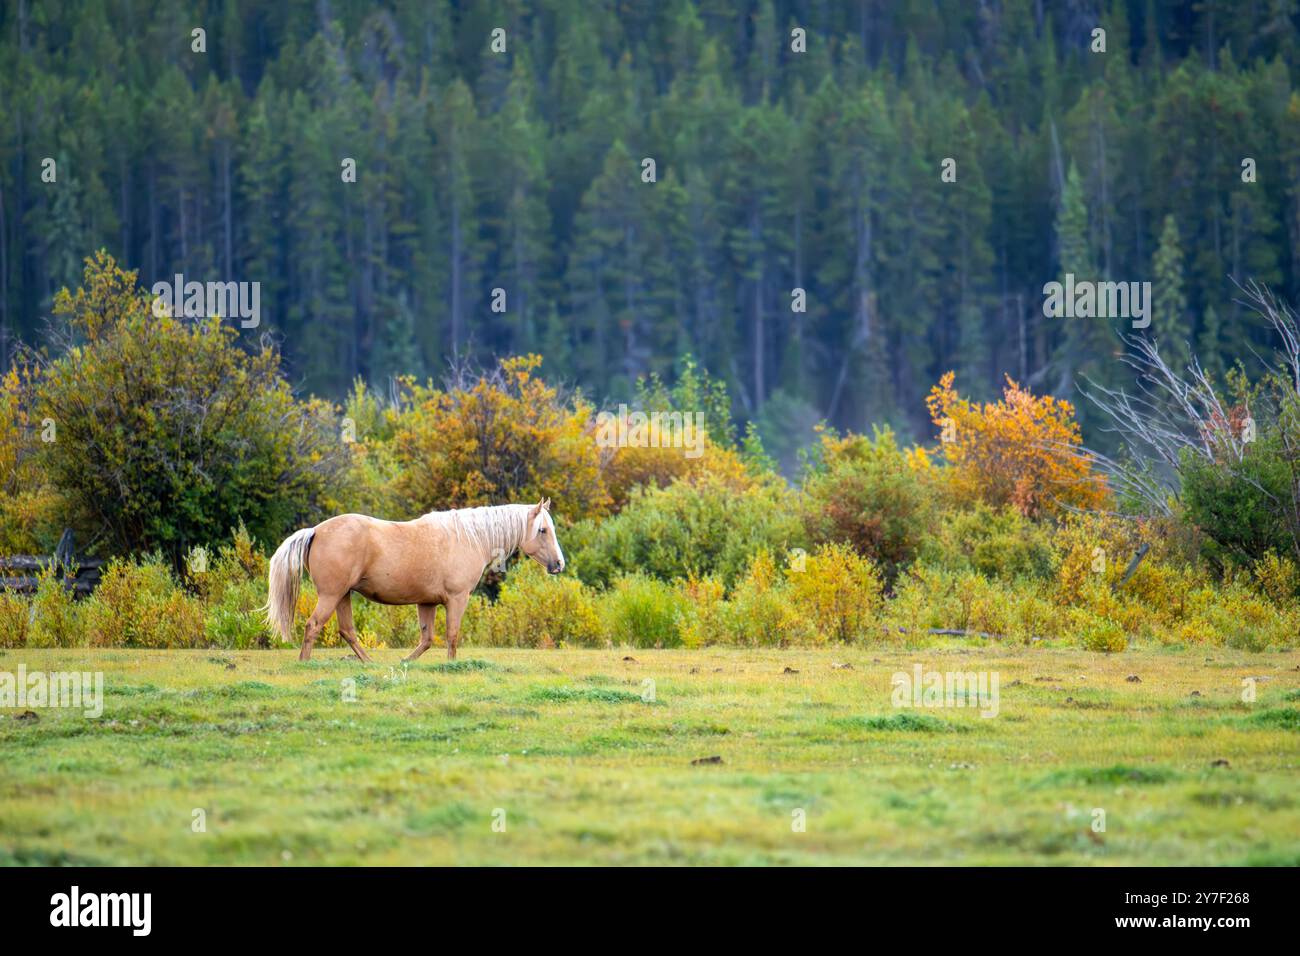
(775, 170)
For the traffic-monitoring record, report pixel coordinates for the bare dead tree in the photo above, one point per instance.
(1173, 413)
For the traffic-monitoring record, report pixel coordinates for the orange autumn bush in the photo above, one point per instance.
(646, 466)
(678, 432)
(1024, 451)
(506, 436)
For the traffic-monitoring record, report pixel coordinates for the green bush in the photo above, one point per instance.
(643, 611)
(233, 621)
(1244, 508)
(232, 587)
(997, 543)
(1241, 618)
(933, 597)
(169, 431)
(389, 625)
(703, 527)
(866, 494)
(1100, 634)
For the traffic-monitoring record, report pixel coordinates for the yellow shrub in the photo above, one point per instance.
(31, 509)
(1095, 548)
(329, 635)
(1164, 590)
(57, 620)
(704, 621)
(15, 617)
(535, 610)
(377, 625)
(1030, 615)
(141, 605)
(1195, 630)
(838, 592)
(761, 612)
(1076, 570)
(1277, 577)
(234, 565)
(1101, 601)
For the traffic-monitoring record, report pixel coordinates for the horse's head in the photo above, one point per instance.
(540, 542)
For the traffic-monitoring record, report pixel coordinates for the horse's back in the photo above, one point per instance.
(354, 523)
(384, 560)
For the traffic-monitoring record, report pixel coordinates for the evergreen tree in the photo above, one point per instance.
(1209, 345)
(456, 126)
(1169, 320)
(1088, 346)
(524, 224)
(1074, 258)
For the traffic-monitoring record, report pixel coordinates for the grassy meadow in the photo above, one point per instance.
(588, 771)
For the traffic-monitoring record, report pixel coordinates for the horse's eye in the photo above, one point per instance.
(541, 531)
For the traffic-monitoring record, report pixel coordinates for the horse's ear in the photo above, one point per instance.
(535, 510)
(546, 505)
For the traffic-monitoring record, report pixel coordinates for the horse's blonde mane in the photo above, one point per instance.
(491, 527)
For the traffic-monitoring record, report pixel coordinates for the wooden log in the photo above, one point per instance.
(27, 562)
(79, 585)
(23, 562)
(958, 632)
(21, 585)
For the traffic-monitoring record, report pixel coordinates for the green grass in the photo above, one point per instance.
(588, 759)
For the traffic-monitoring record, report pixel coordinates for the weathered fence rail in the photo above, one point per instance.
(22, 572)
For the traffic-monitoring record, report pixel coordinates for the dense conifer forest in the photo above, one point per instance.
(796, 145)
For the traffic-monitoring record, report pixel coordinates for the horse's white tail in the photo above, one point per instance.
(284, 579)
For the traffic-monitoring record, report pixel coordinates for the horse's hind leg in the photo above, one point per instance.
(427, 611)
(315, 624)
(344, 612)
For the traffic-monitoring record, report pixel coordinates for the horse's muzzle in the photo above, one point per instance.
(556, 568)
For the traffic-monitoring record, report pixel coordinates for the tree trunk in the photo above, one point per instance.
(230, 212)
(760, 385)
(4, 280)
(455, 274)
(153, 220)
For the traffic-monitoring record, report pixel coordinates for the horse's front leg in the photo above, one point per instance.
(427, 612)
(455, 608)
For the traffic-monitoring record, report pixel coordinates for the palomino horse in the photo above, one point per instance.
(436, 559)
